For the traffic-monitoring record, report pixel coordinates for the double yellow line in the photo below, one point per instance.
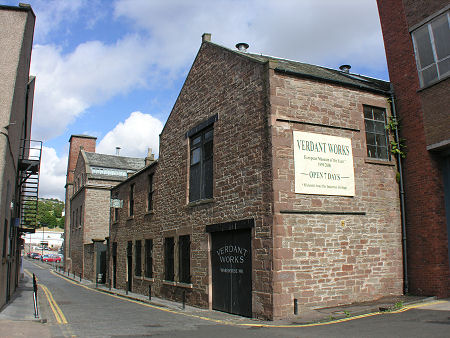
(60, 318)
(59, 315)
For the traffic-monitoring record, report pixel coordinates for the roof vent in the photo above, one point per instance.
(345, 68)
(118, 150)
(242, 46)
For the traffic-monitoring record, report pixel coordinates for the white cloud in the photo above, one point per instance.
(326, 32)
(67, 85)
(52, 177)
(51, 13)
(134, 136)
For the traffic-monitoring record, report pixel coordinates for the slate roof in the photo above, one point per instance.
(325, 74)
(114, 161)
(319, 73)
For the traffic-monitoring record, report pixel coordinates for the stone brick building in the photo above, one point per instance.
(19, 169)
(88, 211)
(417, 40)
(77, 142)
(274, 185)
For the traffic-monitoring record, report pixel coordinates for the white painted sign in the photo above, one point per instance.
(116, 203)
(323, 164)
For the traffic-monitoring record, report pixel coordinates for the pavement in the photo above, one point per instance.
(17, 318)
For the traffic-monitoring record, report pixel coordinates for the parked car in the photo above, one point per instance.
(51, 258)
(35, 255)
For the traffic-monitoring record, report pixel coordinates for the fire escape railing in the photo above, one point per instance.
(28, 181)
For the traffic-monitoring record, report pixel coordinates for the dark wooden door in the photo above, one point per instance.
(232, 271)
(130, 265)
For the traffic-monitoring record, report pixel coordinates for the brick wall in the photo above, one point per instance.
(76, 143)
(425, 211)
(435, 104)
(317, 259)
(241, 175)
(312, 258)
(418, 10)
(76, 233)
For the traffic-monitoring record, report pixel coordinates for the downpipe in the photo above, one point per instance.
(402, 200)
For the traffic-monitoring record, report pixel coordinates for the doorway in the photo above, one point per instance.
(130, 265)
(231, 262)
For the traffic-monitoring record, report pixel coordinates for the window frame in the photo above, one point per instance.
(201, 186)
(184, 259)
(169, 259)
(131, 200)
(148, 271)
(432, 41)
(81, 216)
(374, 132)
(150, 193)
(116, 215)
(138, 258)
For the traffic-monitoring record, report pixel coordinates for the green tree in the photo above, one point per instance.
(50, 213)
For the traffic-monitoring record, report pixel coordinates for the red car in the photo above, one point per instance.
(35, 255)
(51, 258)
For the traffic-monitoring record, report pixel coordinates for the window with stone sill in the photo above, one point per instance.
(150, 193)
(81, 217)
(169, 245)
(376, 133)
(138, 253)
(149, 258)
(131, 201)
(116, 215)
(184, 259)
(201, 165)
(432, 49)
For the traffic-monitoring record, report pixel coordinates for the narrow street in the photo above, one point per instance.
(78, 311)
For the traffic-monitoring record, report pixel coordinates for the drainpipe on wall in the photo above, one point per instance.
(402, 201)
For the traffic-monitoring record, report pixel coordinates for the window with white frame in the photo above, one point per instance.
(432, 49)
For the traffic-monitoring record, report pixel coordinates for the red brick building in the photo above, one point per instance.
(417, 40)
(274, 185)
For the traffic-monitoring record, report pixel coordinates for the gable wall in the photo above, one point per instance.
(329, 259)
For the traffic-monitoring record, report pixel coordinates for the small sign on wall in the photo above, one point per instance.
(323, 164)
(116, 203)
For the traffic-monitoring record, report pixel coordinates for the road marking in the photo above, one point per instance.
(59, 315)
(31, 262)
(226, 322)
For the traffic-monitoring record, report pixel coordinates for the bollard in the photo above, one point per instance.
(295, 306)
(126, 292)
(184, 299)
(35, 299)
(96, 281)
(149, 292)
(80, 276)
(110, 284)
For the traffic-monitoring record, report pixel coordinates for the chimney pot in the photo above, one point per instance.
(150, 157)
(206, 37)
(242, 46)
(345, 68)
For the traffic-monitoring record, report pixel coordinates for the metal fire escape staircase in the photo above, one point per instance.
(28, 182)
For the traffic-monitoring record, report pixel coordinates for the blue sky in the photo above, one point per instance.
(113, 68)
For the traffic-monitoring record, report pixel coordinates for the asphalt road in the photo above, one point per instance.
(77, 311)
